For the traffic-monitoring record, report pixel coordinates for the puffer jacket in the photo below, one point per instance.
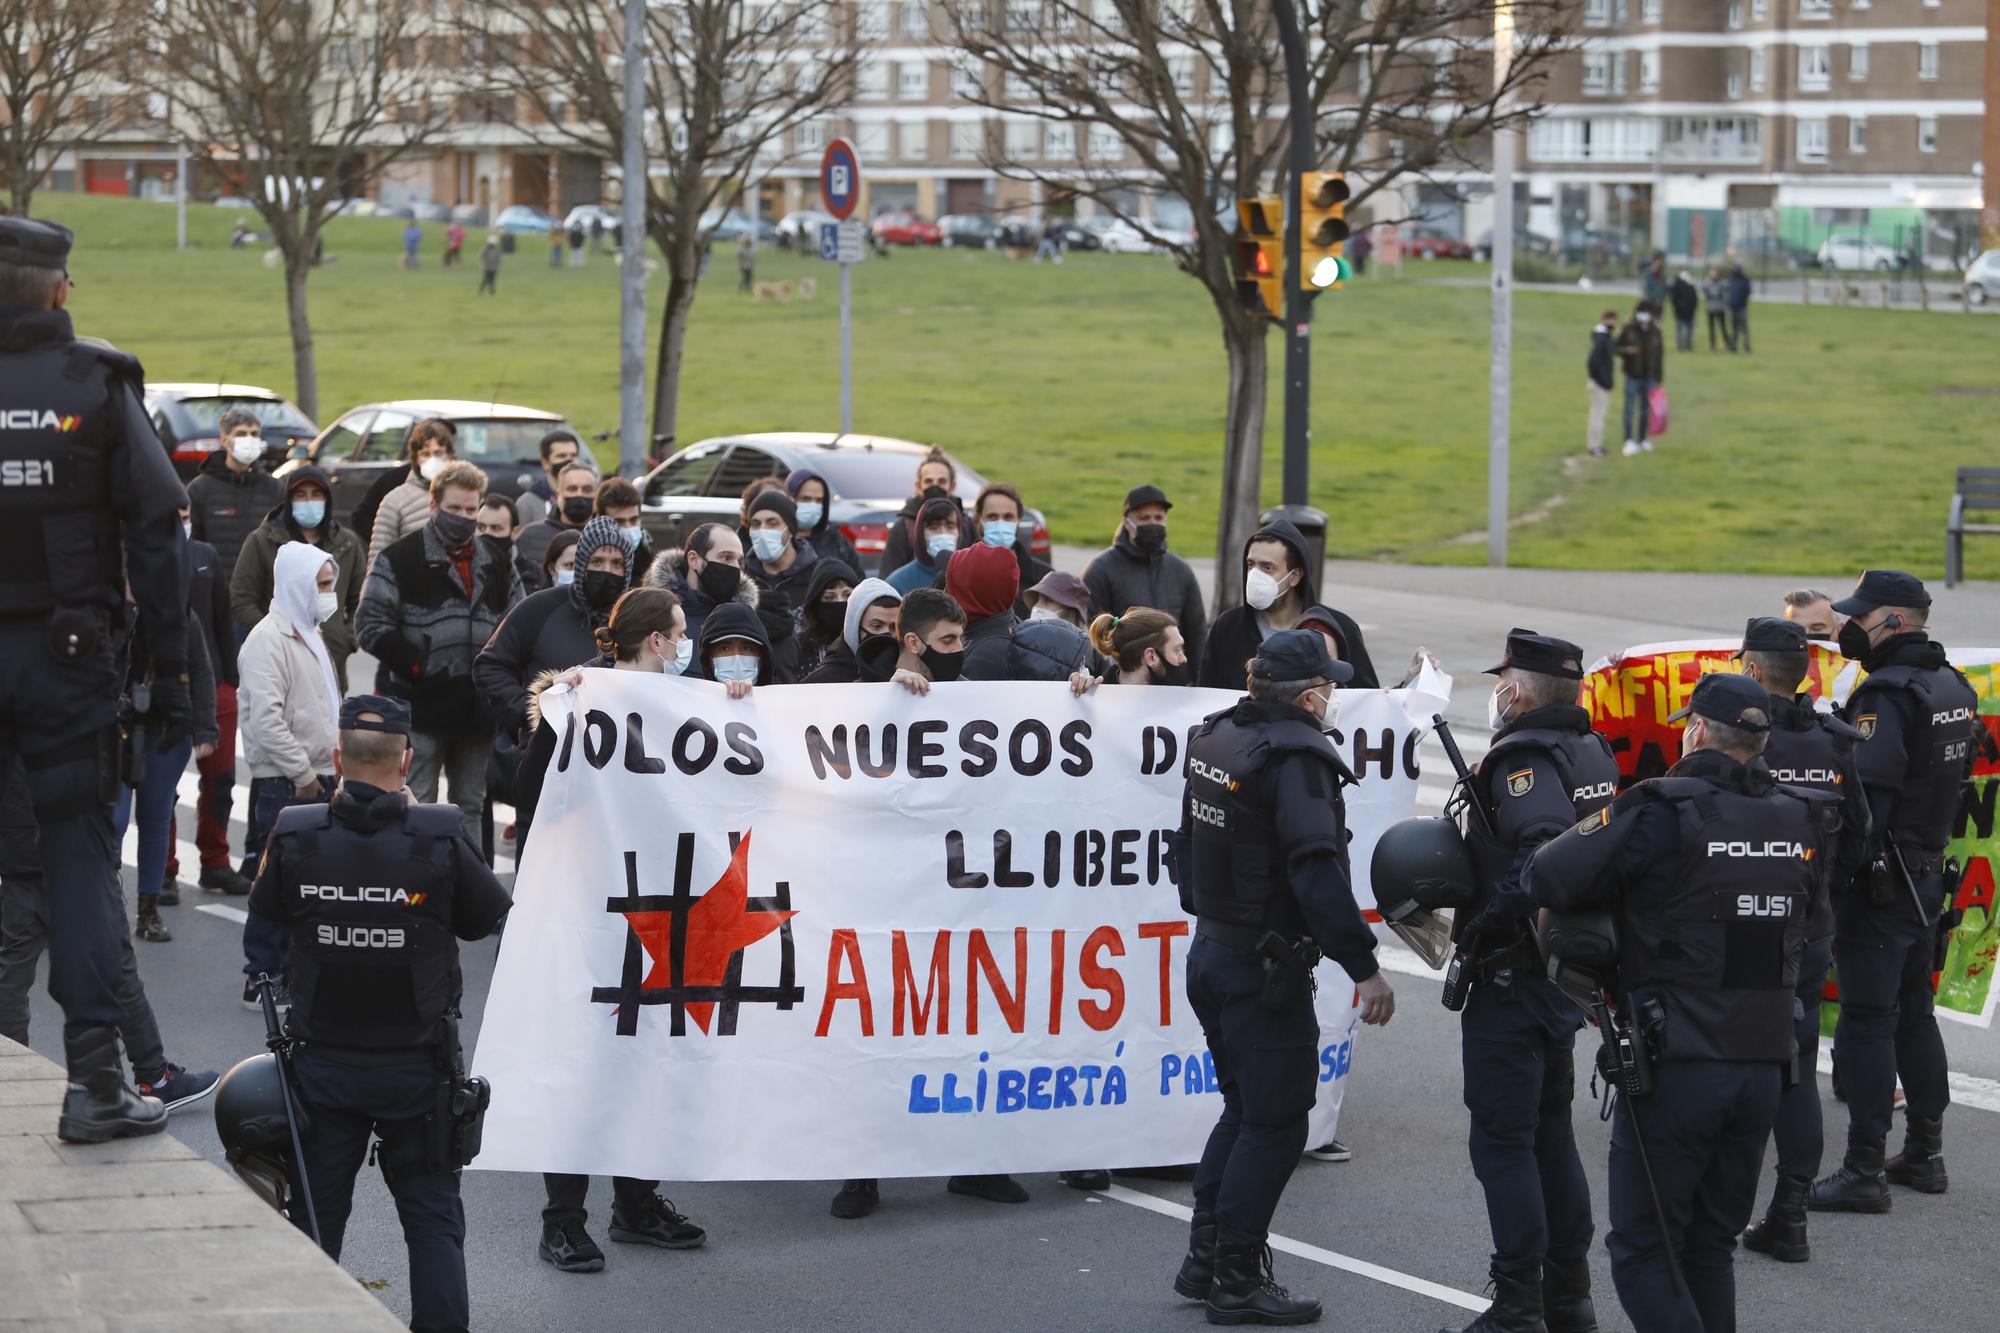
(1052, 650)
(281, 707)
(403, 511)
(226, 507)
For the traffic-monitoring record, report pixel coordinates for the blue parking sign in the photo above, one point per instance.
(829, 241)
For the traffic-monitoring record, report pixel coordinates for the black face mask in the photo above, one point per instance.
(944, 666)
(719, 581)
(1853, 642)
(1171, 674)
(935, 492)
(601, 588)
(831, 617)
(454, 530)
(1150, 536)
(576, 509)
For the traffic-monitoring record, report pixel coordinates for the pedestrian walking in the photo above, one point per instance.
(413, 240)
(1739, 309)
(1644, 353)
(1050, 247)
(1598, 369)
(746, 264)
(1715, 296)
(1685, 298)
(454, 244)
(489, 267)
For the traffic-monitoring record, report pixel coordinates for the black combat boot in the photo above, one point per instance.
(1919, 1165)
(1858, 1187)
(1516, 1308)
(99, 1106)
(1198, 1269)
(1566, 1303)
(1244, 1293)
(1782, 1231)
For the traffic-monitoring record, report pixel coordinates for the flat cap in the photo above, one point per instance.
(1733, 700)
(1146, 495)
(1770, 634)
(1298, 654)
(1543, 654)
(1883, 587)
(33, 243)
(394, 714)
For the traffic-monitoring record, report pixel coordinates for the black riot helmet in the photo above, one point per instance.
(1422, 862)
(250, 1121)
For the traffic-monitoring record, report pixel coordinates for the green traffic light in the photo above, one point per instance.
(1331, 271)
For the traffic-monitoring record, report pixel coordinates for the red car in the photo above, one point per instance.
(1430, 243)
(906, 229)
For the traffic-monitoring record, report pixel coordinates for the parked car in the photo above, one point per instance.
(431, 212)
(233, 201)
(470, 215)
(1982, 278)
(524, 219)
(584, 214)
(366, 441)
(1759, 252)
(973, 231)
(1525, 243)
(1433, 243)
(1075, 236)
(869, 476)
(1583, 245)
(1854, 252)
(1116, 236)
(899, 227)
(732, 224)
(185, 415)
(801, 228)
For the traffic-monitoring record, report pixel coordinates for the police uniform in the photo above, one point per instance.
(374, 888)
(88, 502)
(1806, 748)
(1712, 871)
(1918, 718)
(1546, 770)
(1262, 864)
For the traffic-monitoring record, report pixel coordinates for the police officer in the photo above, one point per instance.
(88, 502)
(1712, 871)
(374, 887)
(1806, 748)
(1917, 716)
(1262, 857)
(1546, 770)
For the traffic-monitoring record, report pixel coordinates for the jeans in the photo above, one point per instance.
(1800, 1135)
(460, 759)
(264, 939)
(1049, 249)
(1718, 322)
(1739, 329)
(567, 1193)
(218, 792)
(1887, 1025)
(1684, 333)
(24, 934)
(1636, 406)
(1600, 408)
(155, 798)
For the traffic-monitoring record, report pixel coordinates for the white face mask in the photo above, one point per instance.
(1496, 712)
(810, 513)
(329, 604)
(1332, 713)
(1644, 319)
(430, 467)
(1260, 589)
(1044, 613)
(565, 577)
(247, 449)
(735, 668)
(187, 530)
(769, 543)
(678, 663)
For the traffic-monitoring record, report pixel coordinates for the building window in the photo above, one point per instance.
(1620, 16)
(1596, 72)
(1812, 141)
(1927, 60)
(1857, 135)
(966, 84)
(1023, 17)
(1649, 71)
(1815, 69)
(1181, 68)
(1757, 55)
(1927, 134)
(968, 140)
(809, 137)
(1649, 12)
(1815, 10)
(1024, 140)
(1735, 13)
(1735, 84)
(1618, 74)
(916, 22)
(1596, 13)
(1857, 63)
(913, 141)
(913, 81)
(871, 81)
(1105, 145)
(1059, 143)
(1760, 9)
(810, 26)
(871, 20)
(872, 141)
(1015, 88)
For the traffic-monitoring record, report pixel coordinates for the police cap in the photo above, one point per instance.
(1769, 634)
(1543, 654)
(1734, 701)
(394, 714)
(1146, 495)
(1883, 587)
(1298, 654)
(32, 243)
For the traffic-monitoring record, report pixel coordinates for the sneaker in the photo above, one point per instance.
(223, 879)
(658, 1223)
(1597, 451)
(1646, 445)
(1333, 1150)
(569, 1247)
(857, 1198)
(151, 929)
(280, 993)
(993, 1189)
(1631, 448)
(1087, 1181)
(177, 1087)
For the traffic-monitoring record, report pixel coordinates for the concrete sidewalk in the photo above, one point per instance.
(145, 1235)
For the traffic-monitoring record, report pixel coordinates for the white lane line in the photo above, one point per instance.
(1437, 1291)
(1980, 1094)
(236, 914)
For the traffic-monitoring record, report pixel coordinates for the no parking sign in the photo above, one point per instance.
(840, 178)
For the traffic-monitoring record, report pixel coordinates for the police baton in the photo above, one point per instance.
(1895, 855)
(1466, 798)
(281, 1047)
(1624, 1071)
(1466, 794)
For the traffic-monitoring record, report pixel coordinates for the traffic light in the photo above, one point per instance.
(1323, 231)
(1260, 255)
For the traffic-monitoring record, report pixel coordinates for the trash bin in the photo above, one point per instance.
(1311, 524)
(506, 242)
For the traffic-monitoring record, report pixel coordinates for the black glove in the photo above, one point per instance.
(173, 711)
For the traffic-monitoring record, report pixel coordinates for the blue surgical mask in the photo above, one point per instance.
(683, 655)
(941, 543)
(810, 513)
(769, 543)
(734, 668)
(631, 537)
(308, 513)
(565, 577)
(995, 533)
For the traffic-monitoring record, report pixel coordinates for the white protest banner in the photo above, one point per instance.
(841, 931)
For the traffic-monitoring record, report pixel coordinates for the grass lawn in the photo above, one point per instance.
(1832, 447)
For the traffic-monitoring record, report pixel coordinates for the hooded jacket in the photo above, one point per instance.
(1602, 363)
(901, 546)
(1051, 650)
(208, 608)
(735, 621)
(250, 584)
(287, 707)
(1236, 635)
(984, 580)
(226, 507)
(1125, 577)
(815, 644)
(1685, 297)
(793, 586)
(848, 662)
(696, 604)
(826, 539)
(921, 570)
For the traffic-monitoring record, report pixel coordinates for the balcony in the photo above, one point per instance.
(1723, 141)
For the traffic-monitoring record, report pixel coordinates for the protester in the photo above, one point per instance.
(735, 651)
(1277, 589)
(576, 504)
(710, 575)
(208, 605)
(823, 614)
(753, 488)
(290, 710)
(489, 267)
(940, 525)
(814, 499)
(1139, 570)
(779, 559)
(985, 581)
(619, 501)
(1001, 520)
(559, 561)
(1147, 647)
(868, 648)
(559, 448)
(1715, 297)
(1059, 596)
(1813, 609)
(232, 492)
(1738, 300)
(1052, 651)
(303, 514)
(432, 601)
(1644, 354)
(500, 520)
(1686, 299)
(408, 507)
(936, 479)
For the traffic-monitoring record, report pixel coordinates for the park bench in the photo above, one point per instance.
(1978, 493)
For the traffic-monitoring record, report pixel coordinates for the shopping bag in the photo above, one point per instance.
(1656, 410)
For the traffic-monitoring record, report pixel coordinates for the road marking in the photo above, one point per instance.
(1437, 1291)
(236, 914)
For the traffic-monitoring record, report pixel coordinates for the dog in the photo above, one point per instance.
(780, 292)
(806, 289)
(1021, 253)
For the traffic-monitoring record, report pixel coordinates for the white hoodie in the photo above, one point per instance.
(288, 703)
(865, 594)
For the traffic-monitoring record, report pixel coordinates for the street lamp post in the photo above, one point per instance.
(1298, 301)
(632, 441)
(1502, 384)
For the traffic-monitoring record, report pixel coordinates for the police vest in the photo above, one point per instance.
(1238, 874)
(1811, 749)
(374, 962)
(1720, 945)
(1582, 761)
(1943, 713)
(59, 539)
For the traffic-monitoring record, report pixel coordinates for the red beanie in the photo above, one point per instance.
(983, 579)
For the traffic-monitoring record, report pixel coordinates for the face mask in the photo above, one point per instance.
(810, 513)
(1172, 674)
(940, 543)
(735, 668)
(1150, 536)
(576, 510)
(1853, 641)
(246, 449)
(1496, 712)
(329, 603)
(565, 577)
(944, 666)
(718, 581)
(829, 616)
(935, 492)
(454, 530)
(1044, 613)
(430, 467)
(308, 513)
(1260, 589)
(187, 530)
(601, 588)
(631, 537)
(1644, 319)
(995, 533)
(769, 543)
(1327, 718)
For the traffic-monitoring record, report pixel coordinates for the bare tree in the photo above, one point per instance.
(58, 66)
(308, 102)
(726, 84)
(1184, 100)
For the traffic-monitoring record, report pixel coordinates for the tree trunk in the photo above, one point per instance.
(305, 369)
(673, 335)
(1242, 452)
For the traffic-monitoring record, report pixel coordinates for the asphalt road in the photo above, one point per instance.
(1395, 1239)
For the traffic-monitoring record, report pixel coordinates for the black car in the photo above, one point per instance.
(973, 231)
(185, 415)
